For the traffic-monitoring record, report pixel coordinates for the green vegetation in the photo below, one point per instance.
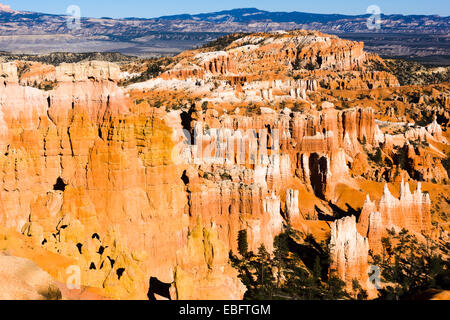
(46, 85)
(242, 243)
(205, 106)
(299, 64)
(226, 176)
(56, 58)
(413, 73)
(409, 267)
(409, 72)
(296, 270)
(364, 141)
(252, 109)
(154, 69)
(223, 42)
(52, 293)
(377, 157)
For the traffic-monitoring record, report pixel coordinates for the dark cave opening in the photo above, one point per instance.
(79, 246)
(101, 249)
(185, 178)
(318, 174)
(59, 185)
(112, 261)
(120, 272)
(186, 119)
(157, 287)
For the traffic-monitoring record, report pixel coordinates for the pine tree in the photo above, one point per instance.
(242, 243)
(283, 274)
(378, 158)
(317, 269)
(265, 272)
(335, 289)
(410, 267)
(358, 291)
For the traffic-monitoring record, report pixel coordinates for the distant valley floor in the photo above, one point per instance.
(426, 48)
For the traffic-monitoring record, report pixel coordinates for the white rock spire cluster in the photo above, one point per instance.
(292, 210)
(348, 251)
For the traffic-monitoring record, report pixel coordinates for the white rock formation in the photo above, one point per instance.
(349, 251)
(292, 210)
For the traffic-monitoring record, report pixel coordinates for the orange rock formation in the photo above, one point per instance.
(158, 178)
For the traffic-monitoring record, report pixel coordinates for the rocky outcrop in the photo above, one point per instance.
(435, 130)
(37, 75)
(247, 64)
(202, 265)
(349, 252)
(87, 179)
(235, 206)
(22, 279)
(96, 70)
(292, 211)
(280, 146)
(8, 72)
(98, 175)
(273, 52)
(411, 211)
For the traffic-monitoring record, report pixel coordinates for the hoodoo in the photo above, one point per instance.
(279, 136)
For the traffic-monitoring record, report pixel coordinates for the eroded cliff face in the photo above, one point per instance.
(349, 253)
(273, 52)
(351, 241)
(411, 211)
(156, 180)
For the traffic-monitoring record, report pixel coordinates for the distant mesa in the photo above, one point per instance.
(6, 8)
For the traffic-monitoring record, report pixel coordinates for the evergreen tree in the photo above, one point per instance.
(378, 158)
(283, 274)
(242, 243)
(317, 269)
(410, 267)
(335, 289)
(358, 291)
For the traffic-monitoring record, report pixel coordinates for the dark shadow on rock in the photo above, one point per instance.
(341, 213)
(157, 287)
(318, 167)
(59, 185)
(322, 216)
(186, 120)
(309, 252)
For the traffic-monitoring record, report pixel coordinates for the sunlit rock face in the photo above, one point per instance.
(272, 52)
(411, 211)
(292, 210)
(280, 146)
(155, 180)
(349, 251)
(21, 279)
(90, 180)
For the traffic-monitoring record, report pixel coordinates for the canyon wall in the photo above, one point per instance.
(155, 180)
(411, 211)
(88, 179)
